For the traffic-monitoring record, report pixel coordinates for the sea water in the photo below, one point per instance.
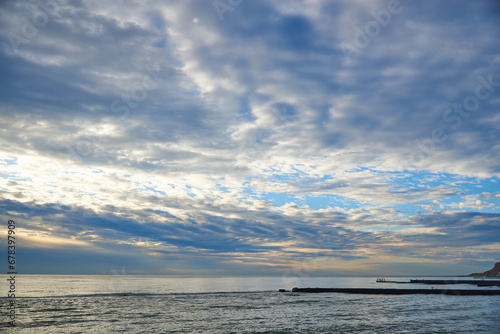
(161, 304)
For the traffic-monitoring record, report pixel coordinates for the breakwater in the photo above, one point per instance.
(486, 283)
(443, 282)
(371, 291)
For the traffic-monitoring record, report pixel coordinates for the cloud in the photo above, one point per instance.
(253, 142)
(490, 195)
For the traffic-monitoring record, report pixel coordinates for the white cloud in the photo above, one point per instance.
(242, 111)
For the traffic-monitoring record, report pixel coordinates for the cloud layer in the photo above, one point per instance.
(252, 137)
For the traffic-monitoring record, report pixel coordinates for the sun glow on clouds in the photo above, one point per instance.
(38, 239)
(253, 144)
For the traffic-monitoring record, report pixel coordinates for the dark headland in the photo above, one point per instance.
(494, 272)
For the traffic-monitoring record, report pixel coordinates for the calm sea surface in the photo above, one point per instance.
(159, 304)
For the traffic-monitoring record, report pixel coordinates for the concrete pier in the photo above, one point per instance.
(486, 283)
(371, 291)
(443, 282)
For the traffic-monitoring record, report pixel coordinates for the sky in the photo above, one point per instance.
(236, 137)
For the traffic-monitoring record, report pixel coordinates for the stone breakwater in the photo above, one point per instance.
(371, 291)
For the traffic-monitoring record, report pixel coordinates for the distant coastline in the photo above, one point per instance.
(494, 272)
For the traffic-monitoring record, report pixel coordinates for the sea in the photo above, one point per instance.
(166, 304)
